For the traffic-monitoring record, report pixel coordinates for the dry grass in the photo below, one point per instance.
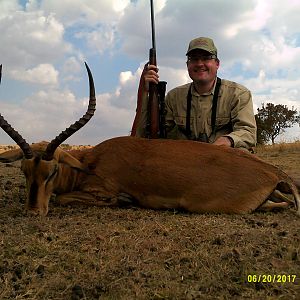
(67, 147)
(4, 148)
(284, 155)
(277, 148)
(93, 253)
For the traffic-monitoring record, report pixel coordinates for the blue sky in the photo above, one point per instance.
(45, 42)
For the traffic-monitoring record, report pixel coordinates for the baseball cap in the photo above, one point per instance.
(202, 43)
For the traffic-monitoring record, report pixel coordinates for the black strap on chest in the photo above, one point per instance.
(213, 110)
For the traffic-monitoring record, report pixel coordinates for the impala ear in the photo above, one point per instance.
(66, 158)
(11, 156)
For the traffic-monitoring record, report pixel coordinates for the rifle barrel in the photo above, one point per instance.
(152, 25)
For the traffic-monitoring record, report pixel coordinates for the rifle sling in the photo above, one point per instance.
(213, 110)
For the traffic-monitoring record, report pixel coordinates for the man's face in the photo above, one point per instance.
(202, 66)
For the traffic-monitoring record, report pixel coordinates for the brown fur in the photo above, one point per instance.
(159, 174)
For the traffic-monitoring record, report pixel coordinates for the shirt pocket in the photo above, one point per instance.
(220, 122)
(223, 122)
(180, 121)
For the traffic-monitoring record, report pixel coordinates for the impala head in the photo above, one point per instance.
(40, 162)
(40, 175)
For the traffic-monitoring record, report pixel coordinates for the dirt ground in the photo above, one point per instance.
(94, 253)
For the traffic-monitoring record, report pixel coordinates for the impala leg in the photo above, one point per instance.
(125, 200)
(277, 196)
(75, 198)
(269, 206)
(83, 198)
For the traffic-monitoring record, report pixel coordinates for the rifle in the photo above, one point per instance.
(155, 126)
(156, 108)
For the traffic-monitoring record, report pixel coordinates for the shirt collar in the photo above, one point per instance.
(211, 92)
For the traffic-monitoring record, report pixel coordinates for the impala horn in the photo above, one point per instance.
(61, 137)
(78, 124)
(14, 134)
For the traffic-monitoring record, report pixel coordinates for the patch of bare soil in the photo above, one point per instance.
(94, 253)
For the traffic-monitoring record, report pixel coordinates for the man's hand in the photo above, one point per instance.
(223, 141)
(151, 75)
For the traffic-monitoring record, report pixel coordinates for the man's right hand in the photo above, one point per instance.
(151, 75)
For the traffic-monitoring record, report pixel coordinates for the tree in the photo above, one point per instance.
(272, 120)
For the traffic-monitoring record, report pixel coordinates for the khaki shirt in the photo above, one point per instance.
(235, 116)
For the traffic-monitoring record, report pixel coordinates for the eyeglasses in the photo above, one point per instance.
(203, 58)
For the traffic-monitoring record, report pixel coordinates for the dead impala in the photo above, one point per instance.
(159, 174)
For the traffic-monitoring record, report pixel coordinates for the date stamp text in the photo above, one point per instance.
(271, 278)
